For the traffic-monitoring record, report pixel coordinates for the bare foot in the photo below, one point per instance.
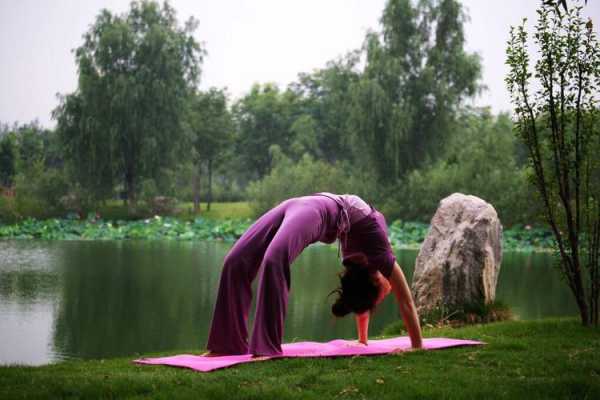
(260, 358)
(211, 354)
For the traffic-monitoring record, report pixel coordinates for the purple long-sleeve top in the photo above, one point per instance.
(362, 229)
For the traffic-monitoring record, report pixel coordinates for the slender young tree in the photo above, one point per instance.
(212, 128)
(558, 122)
(8, 160)
(262, 119)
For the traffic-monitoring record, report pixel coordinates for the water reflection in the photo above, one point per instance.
(135, 297)
(29, 288)
(532, 286)
(87, 299)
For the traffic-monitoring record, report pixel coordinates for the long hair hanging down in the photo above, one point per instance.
(358, 291)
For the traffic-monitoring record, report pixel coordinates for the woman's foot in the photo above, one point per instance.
(212, 354)
(259, 358)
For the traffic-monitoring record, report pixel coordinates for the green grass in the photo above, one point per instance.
(115, 210)
(237, 210)
(552, 358)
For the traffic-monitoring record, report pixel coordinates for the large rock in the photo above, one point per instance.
(459, 260)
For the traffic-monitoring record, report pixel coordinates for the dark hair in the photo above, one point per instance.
(357, 292)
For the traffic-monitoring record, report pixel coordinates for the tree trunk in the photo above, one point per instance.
(196, 188)
(209, 197)
(583, 308)
(130, 185)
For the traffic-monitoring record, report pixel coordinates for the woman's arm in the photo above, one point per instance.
(362, 327)
(406, 306)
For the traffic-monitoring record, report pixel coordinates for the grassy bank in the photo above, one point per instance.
(115, 210)
(552, 358)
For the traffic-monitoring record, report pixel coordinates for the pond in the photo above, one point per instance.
(99, 299)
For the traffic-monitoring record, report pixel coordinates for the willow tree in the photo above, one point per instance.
(124, 121)
(417, 74)
(558, 120)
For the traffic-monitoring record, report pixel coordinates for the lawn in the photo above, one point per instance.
(551, 358)
(115, 210)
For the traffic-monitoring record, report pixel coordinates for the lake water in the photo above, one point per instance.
(99, 299)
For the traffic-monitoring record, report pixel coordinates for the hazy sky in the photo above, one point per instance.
(247, 41)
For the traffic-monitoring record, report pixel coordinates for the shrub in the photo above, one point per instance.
(288, 179)
(479, 160)
(8, 211)
(40, 192)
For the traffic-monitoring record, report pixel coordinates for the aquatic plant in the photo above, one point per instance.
(403, 235)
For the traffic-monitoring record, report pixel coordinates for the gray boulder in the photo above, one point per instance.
(459, 260)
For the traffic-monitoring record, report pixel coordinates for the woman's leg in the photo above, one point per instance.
(301, 226)
(229, 332)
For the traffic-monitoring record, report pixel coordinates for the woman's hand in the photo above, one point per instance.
(356, 343)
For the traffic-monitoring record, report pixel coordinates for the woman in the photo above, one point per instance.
(274, 241)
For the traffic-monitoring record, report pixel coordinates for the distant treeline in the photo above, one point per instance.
(388, 121)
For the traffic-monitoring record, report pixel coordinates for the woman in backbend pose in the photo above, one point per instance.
(274, 241)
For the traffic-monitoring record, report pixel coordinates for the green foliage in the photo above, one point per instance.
(211, 123)
(136, 72)
(386, 122)
(148, 191)
(8, 210)
(479, 159)
(39, 191)
(558, 123)
(156, 227)
(8, 160)
(416, 75)
(153, 202)
(24, 145)
(518, 238)
(325, 101)
(263, 119)
(212, 127)
(407, 234)
(225, 221)
(30, 142)
(288, 179)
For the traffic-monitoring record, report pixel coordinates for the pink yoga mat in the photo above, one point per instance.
(335, 348)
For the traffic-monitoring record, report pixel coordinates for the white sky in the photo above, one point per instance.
(247, 41)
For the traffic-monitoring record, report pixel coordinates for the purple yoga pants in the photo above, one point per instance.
(267, 248)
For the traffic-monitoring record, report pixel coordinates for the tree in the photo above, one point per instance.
(8, 160)
(212, 127)
(263, 118)
(416, 75)
(30, 143)
(479, 159)
(559, 125)
(325, 101)
(124, 122)
(290, 179)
